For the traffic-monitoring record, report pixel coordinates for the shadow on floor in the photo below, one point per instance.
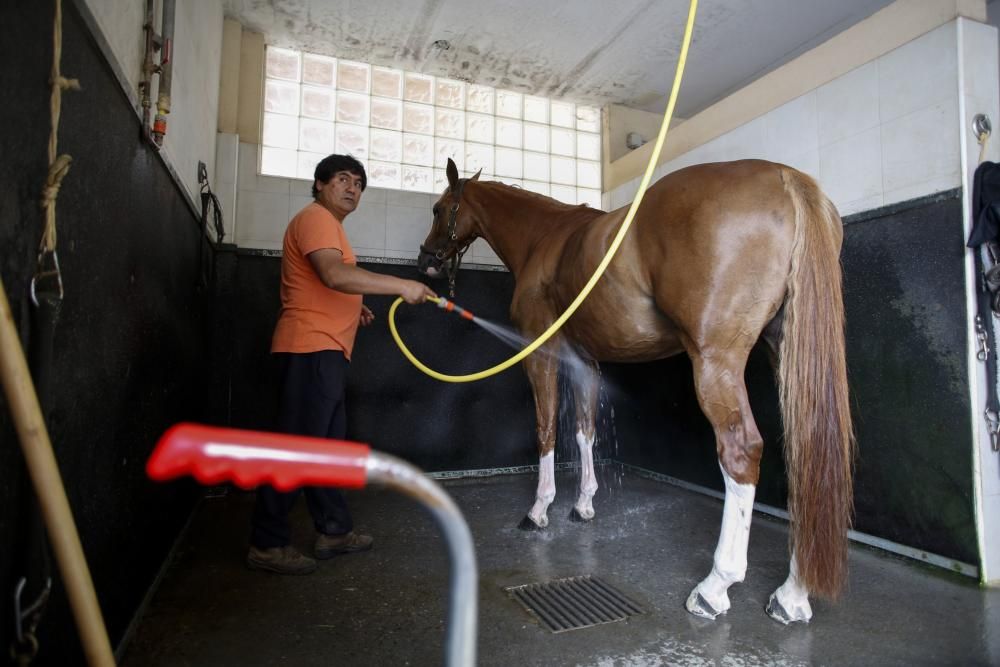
(652, 540)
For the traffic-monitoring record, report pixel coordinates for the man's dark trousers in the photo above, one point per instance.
(312, 403)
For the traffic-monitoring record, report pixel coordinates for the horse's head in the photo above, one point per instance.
(452, 230)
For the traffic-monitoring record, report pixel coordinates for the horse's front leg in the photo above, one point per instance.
(542, 370)
(586, 384)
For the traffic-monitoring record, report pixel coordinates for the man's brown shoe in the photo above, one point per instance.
(283, 560)
(328, 546)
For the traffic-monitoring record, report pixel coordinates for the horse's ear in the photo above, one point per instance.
(476, 177)
(452, 172)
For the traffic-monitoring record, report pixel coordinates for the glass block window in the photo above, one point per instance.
(403, 126)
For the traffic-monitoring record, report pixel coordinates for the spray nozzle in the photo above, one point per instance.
(453, 307)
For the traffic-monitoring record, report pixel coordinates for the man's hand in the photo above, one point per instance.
(414, 292)
(367, 316)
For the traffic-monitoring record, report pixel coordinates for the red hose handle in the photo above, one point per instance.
(250, 458)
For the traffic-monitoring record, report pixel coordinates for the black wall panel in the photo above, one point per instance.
(131, 347)
(392, 405)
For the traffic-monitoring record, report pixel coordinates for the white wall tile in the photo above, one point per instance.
(848, 105)
(482, 253)
(374, 196)
(227, 147)
(851, 169)
(979, 47)
(406, 228)
(990, 464)
(919, 74)
(791, 130)
(366, 226)
(748, 141)
(411, 199)
(859, 205)
(922, 147)
(296, 203)
(807, 162)
(263, 217)
(248, 178)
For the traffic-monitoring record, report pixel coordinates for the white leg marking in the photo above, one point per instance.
(730, 562)
(793, 598)
(546, 490)
(588, 481)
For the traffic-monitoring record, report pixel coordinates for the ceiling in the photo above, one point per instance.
(586, 51)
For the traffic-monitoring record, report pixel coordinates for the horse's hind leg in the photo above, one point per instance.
(586, 384)
(790, 603)
(723, 398)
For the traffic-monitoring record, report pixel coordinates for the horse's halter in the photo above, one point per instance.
(451, 268)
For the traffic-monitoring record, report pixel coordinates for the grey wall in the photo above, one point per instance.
(133, 338)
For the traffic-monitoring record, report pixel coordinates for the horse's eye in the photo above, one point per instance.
(435, 211)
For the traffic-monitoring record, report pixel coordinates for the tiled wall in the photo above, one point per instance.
(886, 132)
(388, 223)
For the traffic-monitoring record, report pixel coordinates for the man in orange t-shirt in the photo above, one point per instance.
(321, 308)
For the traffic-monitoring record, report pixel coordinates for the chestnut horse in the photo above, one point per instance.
(718, 256)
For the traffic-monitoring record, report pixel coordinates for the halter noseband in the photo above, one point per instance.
(451, 268)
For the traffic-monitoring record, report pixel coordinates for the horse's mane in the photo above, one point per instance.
(559, 212)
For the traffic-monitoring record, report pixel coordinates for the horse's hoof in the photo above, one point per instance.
(574, 515)
(527, 523)
(776, 611)
(699, 606)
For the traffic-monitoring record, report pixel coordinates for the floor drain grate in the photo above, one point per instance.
(575, 602)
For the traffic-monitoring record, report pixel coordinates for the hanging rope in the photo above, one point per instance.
(58, 164)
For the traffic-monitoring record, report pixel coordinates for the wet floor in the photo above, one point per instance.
(651, 540)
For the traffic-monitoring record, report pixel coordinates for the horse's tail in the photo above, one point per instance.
(819, 442)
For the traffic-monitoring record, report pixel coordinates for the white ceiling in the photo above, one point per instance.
(587, 51)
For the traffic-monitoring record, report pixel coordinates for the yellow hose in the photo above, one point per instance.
(599, 271)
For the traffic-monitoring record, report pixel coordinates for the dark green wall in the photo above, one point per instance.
(132, 342)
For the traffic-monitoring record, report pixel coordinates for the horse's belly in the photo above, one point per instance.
(625, 336)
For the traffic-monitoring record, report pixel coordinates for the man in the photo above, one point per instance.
(321, 308)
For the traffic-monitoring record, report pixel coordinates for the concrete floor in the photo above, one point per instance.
(652, 540)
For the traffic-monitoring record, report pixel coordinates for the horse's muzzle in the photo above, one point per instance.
(429, 264)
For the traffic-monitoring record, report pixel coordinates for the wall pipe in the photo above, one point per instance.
(149, 68)
(166, 71)
(251, 458)
(44, 472)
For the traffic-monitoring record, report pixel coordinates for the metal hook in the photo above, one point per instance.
(41, 274)
(981, 125)
(21, 615)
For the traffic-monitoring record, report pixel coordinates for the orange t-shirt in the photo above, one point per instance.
(313, 316)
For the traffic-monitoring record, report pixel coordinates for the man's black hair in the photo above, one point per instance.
(332, 164)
